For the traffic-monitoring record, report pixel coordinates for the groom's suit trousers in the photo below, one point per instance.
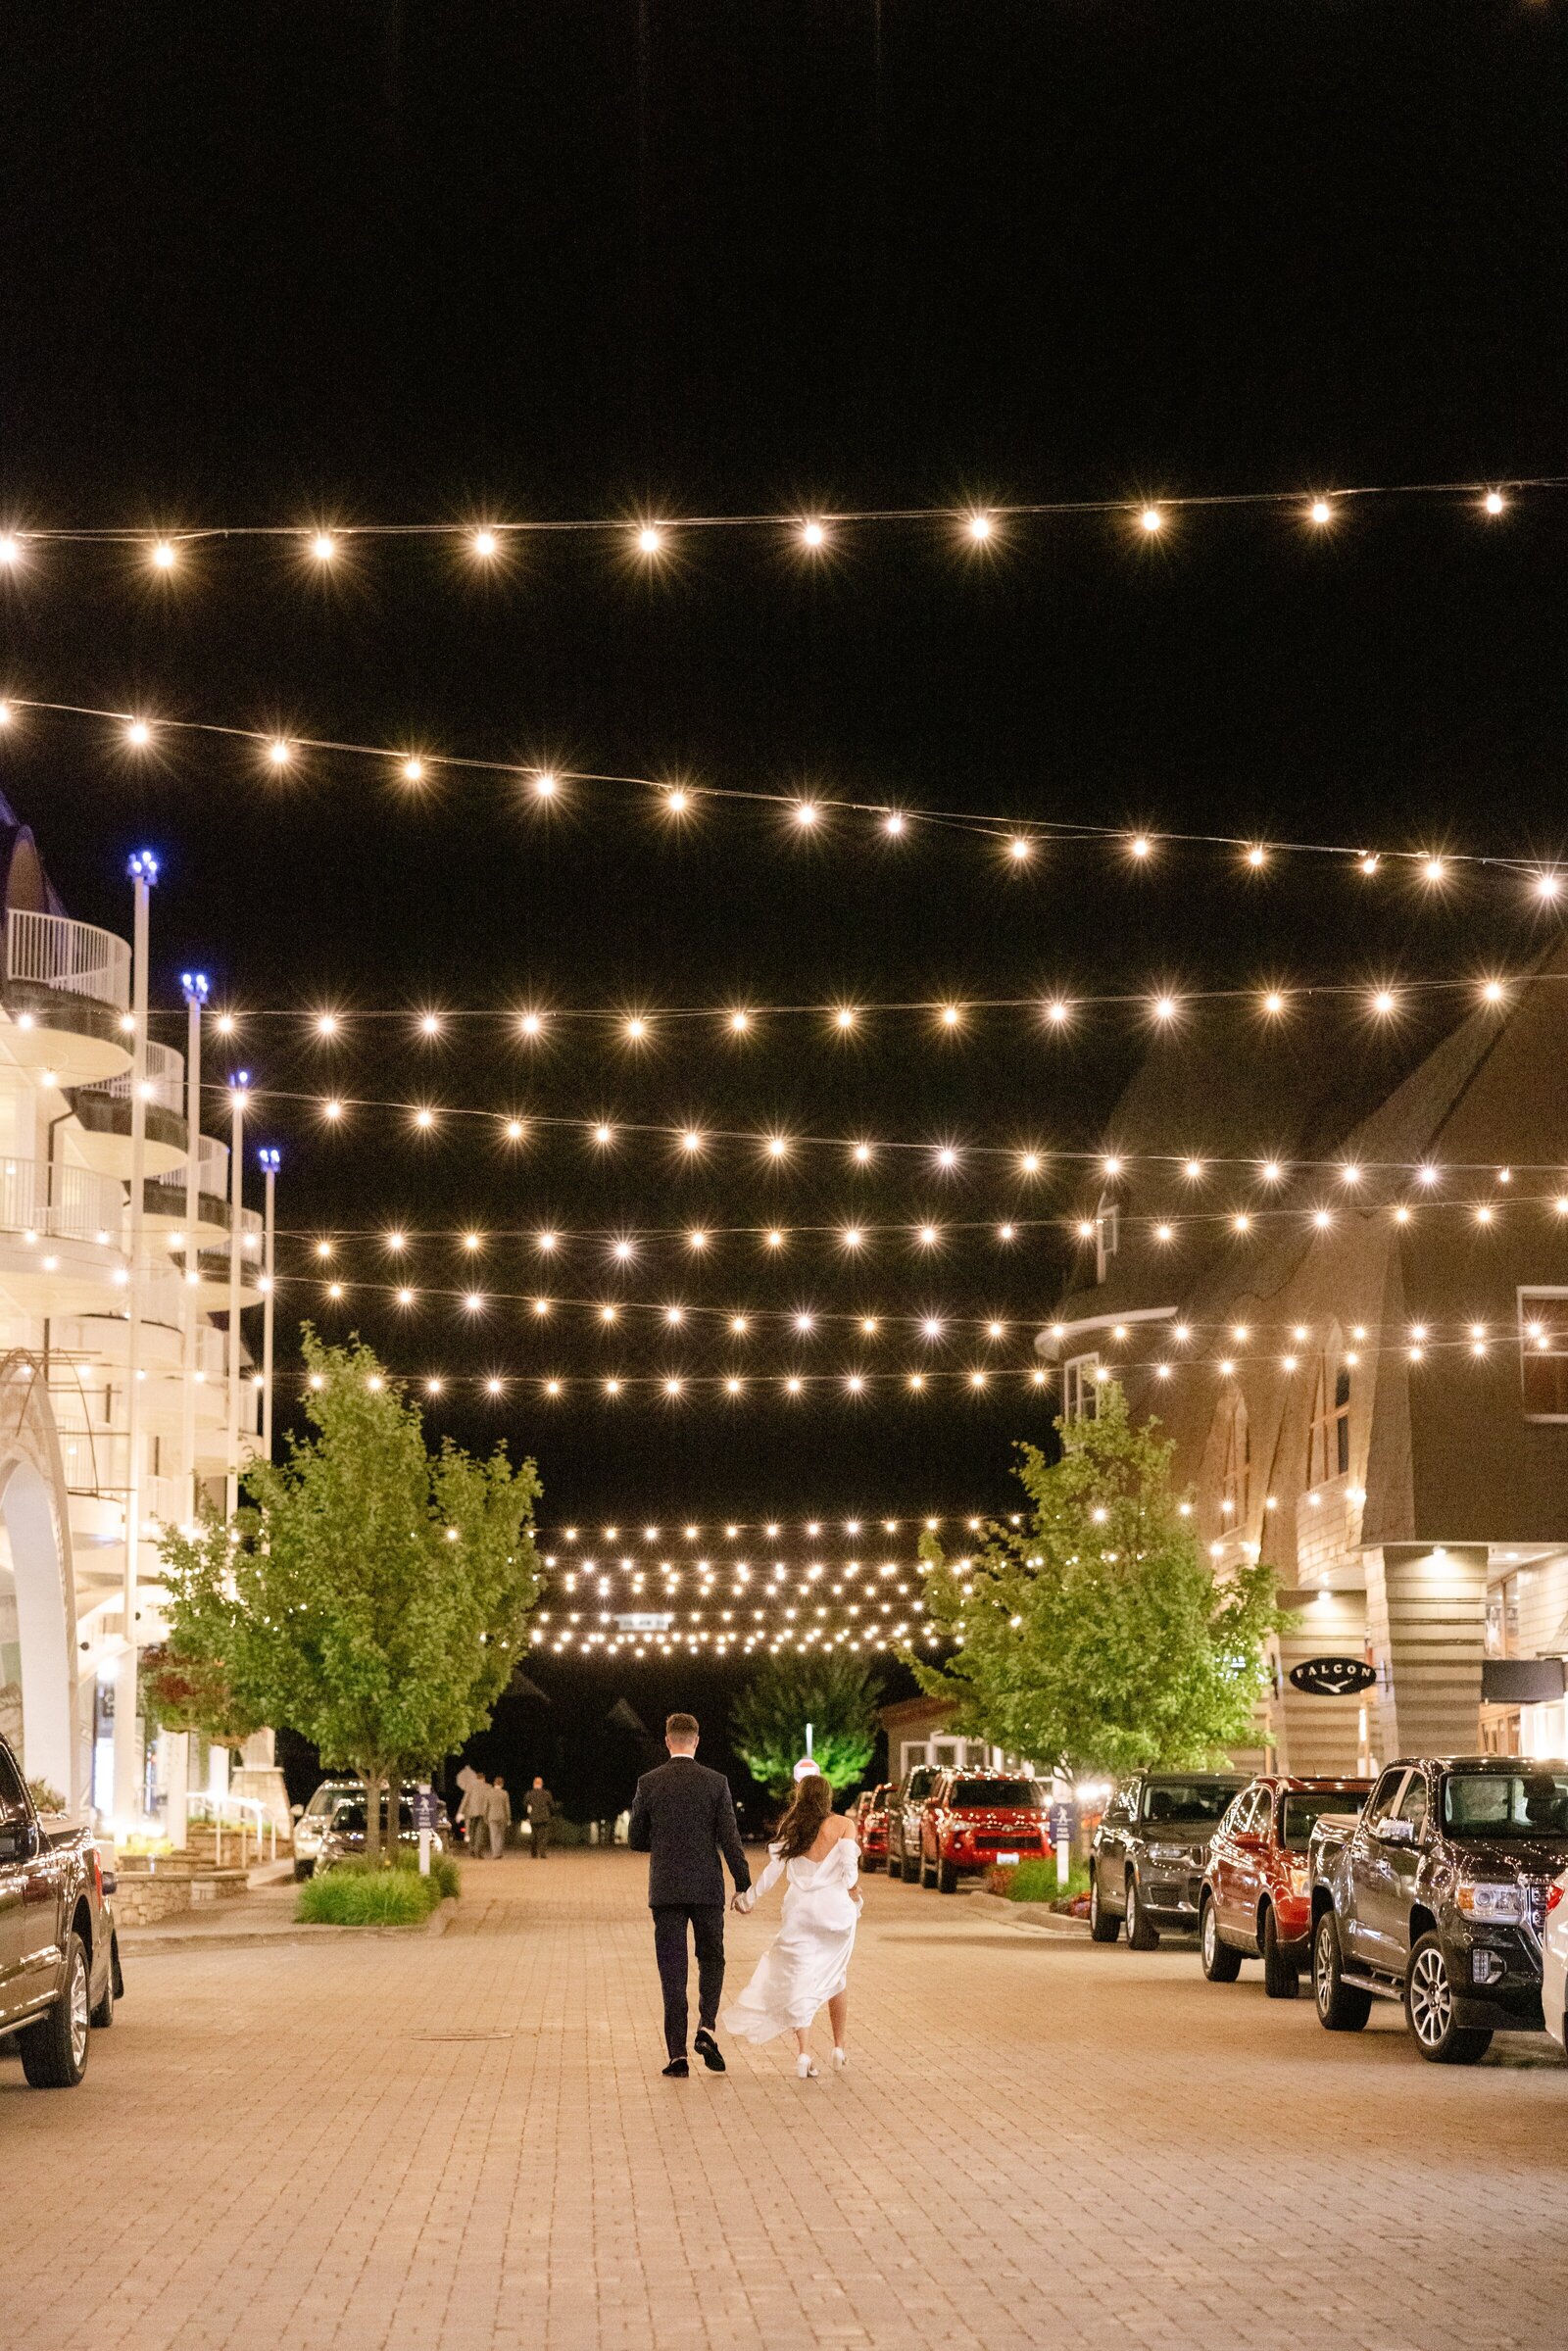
(669, 1942)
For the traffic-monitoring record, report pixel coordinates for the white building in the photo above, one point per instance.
(66, 1291)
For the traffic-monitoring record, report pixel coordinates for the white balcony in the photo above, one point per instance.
(62, 1233)
(103, 1113)
(67, 990)
(165, 1193)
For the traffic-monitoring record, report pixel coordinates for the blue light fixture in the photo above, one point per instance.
(195, 986)
(271, 1160)
(142, 866)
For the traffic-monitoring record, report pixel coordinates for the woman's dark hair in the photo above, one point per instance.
(807, 1809)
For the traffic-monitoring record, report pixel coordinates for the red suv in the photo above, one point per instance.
(1256, 1898)
(973, 1820)
(871, 1826)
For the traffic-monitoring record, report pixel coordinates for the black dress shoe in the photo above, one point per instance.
(677, 2070)
(707, 2049)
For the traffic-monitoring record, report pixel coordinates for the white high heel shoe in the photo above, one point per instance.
(805, 2067)
(841, 2058)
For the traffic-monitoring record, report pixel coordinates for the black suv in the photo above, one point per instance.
(1150, 1850)
(1437, 1897)
(905, 1808)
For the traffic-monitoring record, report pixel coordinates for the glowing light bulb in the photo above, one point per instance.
(1141, 844)
(604, 1133)
(1493, 502)
(1165, 1007)
(1433, 869)
(323, 547)
(10, 550)
(326, 1024)
(278, 753)
(951, 1016)
(1019, 849)
(1320, 510)
(636, 1029)
(1273, 1002)
(979, 526)
(424, 1120)
(775, 1238)
(1548, 885)
(1383, 1002)
(1151, 518)
(691, 1141)
(1257, 855)
(677, 802)
(739, 1022)
(861, 1155)
(806, 813)
(929, 1236)
(1192, 1170)
(649, 540)
(844, 1017)
(412, 770)
(812, 534)
(332, 1110)
(163, 556)
(893, 823)
(473, 1301)
(544, 784)
(138, 734)
(1056, 1014)
(696, 1238)
(777, 1147)
(484, 542)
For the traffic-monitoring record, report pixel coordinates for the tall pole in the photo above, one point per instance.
(194, 984)
(270, 1161)
(144, 872)
(237, 1085)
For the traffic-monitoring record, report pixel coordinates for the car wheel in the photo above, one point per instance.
(302, 1870)
(1282, 1977)
(54, 2050)
(1428, 2010)
(947, 1878)
(1341, 2007)
(1104, 1925)
(1141, 1936)
(102, 2015)
(1221, 1965)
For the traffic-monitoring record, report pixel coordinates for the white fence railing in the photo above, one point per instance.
(212, 1172)
(165, 1080)
(77, 957)
(61, 1203)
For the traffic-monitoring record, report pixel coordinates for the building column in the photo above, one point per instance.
(1320, 1737)
(1426, 1620)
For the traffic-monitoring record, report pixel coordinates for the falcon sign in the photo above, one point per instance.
(1331, 1677)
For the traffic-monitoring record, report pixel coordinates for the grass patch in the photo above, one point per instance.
(1035, 1881)
(355, 1894)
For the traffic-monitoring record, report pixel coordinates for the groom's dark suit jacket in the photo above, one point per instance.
(683, 1818)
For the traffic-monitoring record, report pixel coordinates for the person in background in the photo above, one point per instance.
(540, 1806)
(498, 1813)
(474, 1810)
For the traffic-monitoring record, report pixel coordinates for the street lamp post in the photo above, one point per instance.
(194, 984)
(272, 1159)
(238, 1095)
(143, 872)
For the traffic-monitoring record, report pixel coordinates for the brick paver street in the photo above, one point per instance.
(463, 2144)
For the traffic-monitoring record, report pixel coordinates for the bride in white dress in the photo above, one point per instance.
(808, 1961)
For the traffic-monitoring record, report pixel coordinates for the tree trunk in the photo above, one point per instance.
(373, 1815)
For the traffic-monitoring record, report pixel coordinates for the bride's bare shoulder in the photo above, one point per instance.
(838, 1827)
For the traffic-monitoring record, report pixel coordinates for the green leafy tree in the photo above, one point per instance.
(834, 1693)
(370, 1594)
(1096, 1636)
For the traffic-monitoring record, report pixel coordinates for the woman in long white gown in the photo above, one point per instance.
(807, 1962)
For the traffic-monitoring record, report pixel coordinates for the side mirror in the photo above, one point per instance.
(1395, 1832)
(19, 1841)
(1248, 1841)
(297, 1811)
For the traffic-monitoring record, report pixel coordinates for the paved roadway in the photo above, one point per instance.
(463, 2144)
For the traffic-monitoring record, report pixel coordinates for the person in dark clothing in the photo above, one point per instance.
(683, 1818)
(540, 1806)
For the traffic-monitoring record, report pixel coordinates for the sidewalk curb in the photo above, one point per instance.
(141, 1942)
(442, 1916)
(1017, 1914)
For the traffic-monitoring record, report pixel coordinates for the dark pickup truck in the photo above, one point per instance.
(1437, 1897)
(59, 1962)
(1150, 1852)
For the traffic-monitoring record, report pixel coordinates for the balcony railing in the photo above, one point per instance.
(50, 951)
(64, 1204)
(212, 1174)
(165, 1080)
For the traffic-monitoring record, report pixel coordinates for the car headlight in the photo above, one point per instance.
(1167, 1852)
(1300, 1878)
(1496, 1905)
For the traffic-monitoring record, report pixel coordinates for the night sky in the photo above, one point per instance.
(456, 262)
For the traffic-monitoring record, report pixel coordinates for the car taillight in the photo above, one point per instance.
(97, 1872)
(1555, 1894)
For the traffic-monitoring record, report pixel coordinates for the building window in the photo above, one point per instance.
(1544, 1352)
(1236, 1480)
(1107, 1236)
(1328, 1454)
(1503, 1618)
(1080, 1389)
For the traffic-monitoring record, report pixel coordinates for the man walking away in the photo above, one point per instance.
(475, 1813)
(498, 1812)
(683, 1819)
(540, 1806)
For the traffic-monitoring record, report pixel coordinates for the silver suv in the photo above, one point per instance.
(1150, 1851)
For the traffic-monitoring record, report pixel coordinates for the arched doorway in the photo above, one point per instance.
(37, 1610)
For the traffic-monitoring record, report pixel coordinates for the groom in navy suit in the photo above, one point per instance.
(683, 1818)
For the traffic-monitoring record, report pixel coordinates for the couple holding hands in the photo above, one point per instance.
(683, 1819)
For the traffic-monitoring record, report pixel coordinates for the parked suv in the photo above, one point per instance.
(905, 1807)
(871, 1826)
(1150, 1851)
(1438, 1897)
(1257, 1899)
(973, 1818)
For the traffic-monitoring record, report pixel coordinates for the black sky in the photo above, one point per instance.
(349, 264)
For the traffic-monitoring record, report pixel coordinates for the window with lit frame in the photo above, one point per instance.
(1544, 1352)
(1080, 1387)
(1329, 1435)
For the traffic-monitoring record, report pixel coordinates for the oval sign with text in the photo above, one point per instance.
(1333, 1677)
